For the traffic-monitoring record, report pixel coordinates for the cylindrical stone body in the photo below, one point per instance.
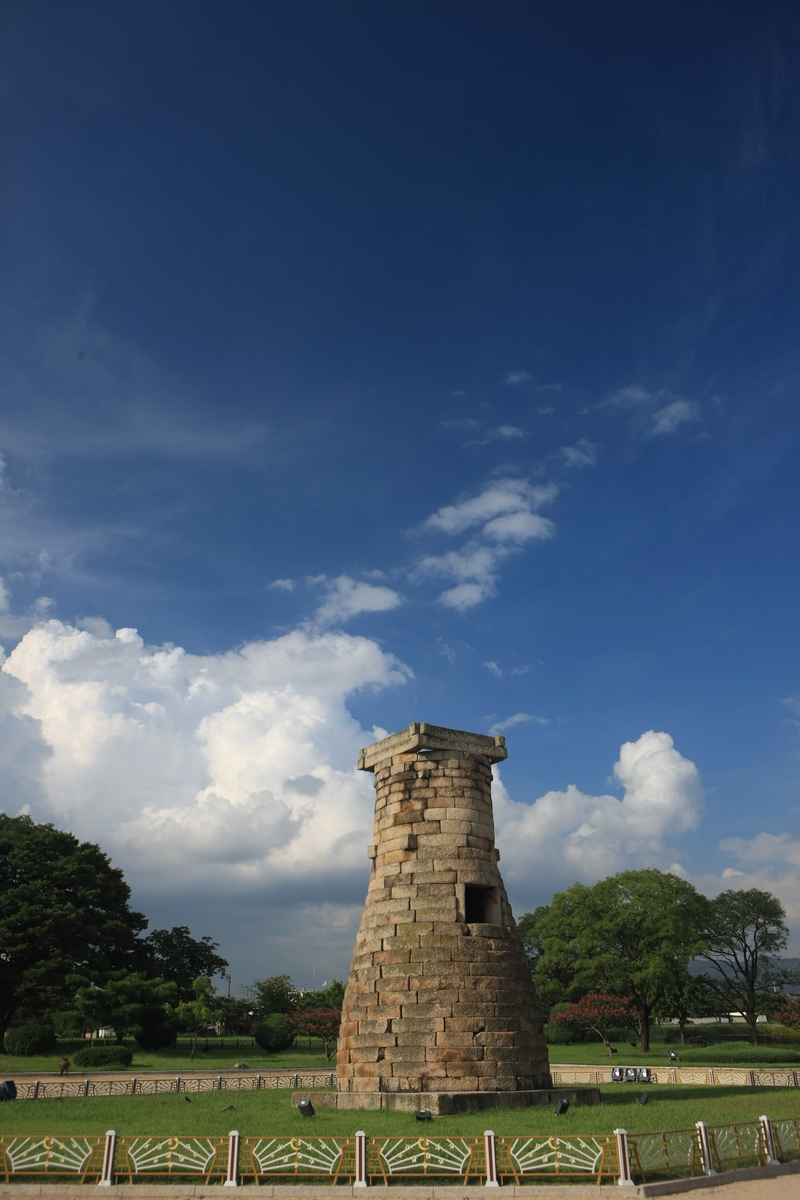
(440, 996)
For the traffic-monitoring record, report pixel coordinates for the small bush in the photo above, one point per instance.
(723, 1055)
(273, 1034)
(103, 1056)
(155, 1037)
(37, 1037)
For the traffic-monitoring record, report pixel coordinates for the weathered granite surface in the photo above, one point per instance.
(439, 998)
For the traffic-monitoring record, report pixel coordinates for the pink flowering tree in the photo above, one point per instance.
(599, 1012)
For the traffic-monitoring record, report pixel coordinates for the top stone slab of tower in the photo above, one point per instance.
(439, 997)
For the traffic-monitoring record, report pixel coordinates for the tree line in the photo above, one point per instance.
(74, 955)
(619, 953)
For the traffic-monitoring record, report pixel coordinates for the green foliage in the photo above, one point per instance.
(177, 956)
(125, 1001)
(737, 1052)
(745, 931)
(202, 1011)
(35, 1037)
(331, 997)
(630, 935)
(112, 1055)
(275, 1033)
(276, 995)
(62, 907)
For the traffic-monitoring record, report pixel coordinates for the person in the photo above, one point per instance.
(63, 1066)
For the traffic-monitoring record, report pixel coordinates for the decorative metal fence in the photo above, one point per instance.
(62, 1089)
(712, 1076)
(364, 1161)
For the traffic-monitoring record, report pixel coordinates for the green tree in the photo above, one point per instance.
(275, 995)
(201, 1012)
(628, 935)
(686, 997)
(745, 932)
(331, 997)
(63, 908)
(127, 1002)
(176, 955)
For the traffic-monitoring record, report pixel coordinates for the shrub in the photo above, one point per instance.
(37, 1037)
(273, 1034)
(155, 1037)
(736, 1052)
(103, 1056)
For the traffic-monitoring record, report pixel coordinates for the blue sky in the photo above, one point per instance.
(399, 362)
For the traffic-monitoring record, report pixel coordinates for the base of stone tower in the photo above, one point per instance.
(446, 1104)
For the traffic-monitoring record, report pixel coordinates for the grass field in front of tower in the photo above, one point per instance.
(270, 1112)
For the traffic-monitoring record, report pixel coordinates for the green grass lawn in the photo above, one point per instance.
(220, 1056)
(270, 1112)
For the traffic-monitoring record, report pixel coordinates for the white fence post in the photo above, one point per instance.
(769, 1141)
(361, 1160)
(107, 1177)
(232, 1179)
(624, 1161)
(705, 1148)
(491, 1158)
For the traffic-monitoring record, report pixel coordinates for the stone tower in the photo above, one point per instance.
(439, 998)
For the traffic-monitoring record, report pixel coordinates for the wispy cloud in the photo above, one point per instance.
(670, 418)
(504, 518)
(283, 585)
(665, 412)
(348, 597)
(520, 718)
(582, 454)
(516, 377)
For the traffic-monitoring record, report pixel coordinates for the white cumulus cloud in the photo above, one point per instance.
(179, 763)
(568, 836)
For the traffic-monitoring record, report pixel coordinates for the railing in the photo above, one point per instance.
(714, 1076)
(61, 1089)
(363, 1161)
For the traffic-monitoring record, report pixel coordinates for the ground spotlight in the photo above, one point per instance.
(8, 1090)
(617, 1074)
(422, 1114)
(631, 1074)
(645, 1096)
(672, 1056)
(561, 1107)
(644, 1074)
(306, 1108)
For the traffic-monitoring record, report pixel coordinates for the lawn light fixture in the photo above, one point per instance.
(631, 1074)
(617, 1074)
(422, 1114)
(8, 1090)
(645, 1096)
(672, 1056)
(306, 1108)
(561, 1107)
(644, 1074)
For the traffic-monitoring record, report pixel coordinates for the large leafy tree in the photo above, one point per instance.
(177, 956)
(687, 997)
(628, 935)
(276, 995)
(745, 932)
(63, 909)
(125, 1000)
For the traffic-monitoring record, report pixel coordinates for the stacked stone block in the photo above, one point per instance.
(439, 997)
